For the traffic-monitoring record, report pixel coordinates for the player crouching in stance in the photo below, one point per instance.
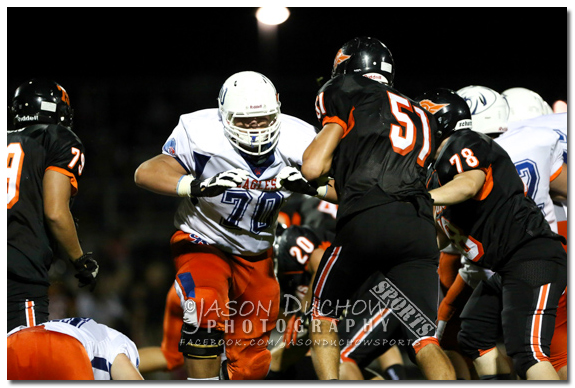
(486, 214)
(71, 349)
(227, 164)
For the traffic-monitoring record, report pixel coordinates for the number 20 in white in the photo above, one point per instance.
(302, 244)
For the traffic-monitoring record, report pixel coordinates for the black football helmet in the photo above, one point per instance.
(450, 111)
(365, 55)
(41, 101)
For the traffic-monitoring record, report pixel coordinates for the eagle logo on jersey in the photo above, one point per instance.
(431, 106)
(170, 146)
(339, 58)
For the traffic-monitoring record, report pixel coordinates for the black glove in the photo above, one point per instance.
(217, 184)
(292, 179)
(87, 270)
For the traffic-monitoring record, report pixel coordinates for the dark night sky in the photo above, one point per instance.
(448, 47)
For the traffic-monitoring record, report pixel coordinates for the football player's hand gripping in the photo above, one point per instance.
(211, 187)
(292, 179)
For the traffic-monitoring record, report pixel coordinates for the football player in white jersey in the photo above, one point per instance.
(534, 122)
(528, 109)
(233, 169)
(71, 349)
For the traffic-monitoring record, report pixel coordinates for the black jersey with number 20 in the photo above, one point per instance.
(386, 144)
(500, 218)
(31, 151)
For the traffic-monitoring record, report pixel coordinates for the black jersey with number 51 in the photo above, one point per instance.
(386, 145)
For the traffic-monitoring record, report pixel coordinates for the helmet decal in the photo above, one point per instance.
(479, 101)
(431, 106)
(339, 58)
(489, 110)
(222, 96)
(65, 96)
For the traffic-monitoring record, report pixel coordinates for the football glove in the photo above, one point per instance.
(211, 187)
(87, 270)
(292, 179)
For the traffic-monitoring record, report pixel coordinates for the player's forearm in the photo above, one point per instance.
(317, 157)
(464, 186)
(159, 176)
(558, 186)
(63, 229)
(123, 369)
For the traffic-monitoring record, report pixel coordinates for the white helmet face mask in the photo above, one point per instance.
(489, 110)
(250, 112)
(525, 104)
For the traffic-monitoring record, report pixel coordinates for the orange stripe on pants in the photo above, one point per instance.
(536, 326)
(29, 311)
(38, 354)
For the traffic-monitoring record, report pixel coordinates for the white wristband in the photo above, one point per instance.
(183, 188)
(321, 192)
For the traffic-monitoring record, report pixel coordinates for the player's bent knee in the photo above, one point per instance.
(522, 362)
(197, 342)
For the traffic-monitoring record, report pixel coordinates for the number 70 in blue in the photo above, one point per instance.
(264, 214)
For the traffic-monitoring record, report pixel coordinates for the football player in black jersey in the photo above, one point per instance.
(377, 144)
(486, 214)
(368, 329)
(45, 162)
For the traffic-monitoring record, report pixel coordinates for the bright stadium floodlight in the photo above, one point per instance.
(272, 15)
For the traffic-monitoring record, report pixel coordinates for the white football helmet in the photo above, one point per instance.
(525, 104)
(489, 111)
(244, 95)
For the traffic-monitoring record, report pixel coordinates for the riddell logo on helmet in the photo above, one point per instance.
(431, 106)
(256, 106)
(27, 118)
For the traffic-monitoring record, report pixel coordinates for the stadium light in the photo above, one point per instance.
(272, 15)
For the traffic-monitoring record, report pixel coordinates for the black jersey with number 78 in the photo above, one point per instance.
(500, 218)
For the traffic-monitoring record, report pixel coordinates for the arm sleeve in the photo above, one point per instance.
(333, 105)
(65, 154)
(179, 146)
